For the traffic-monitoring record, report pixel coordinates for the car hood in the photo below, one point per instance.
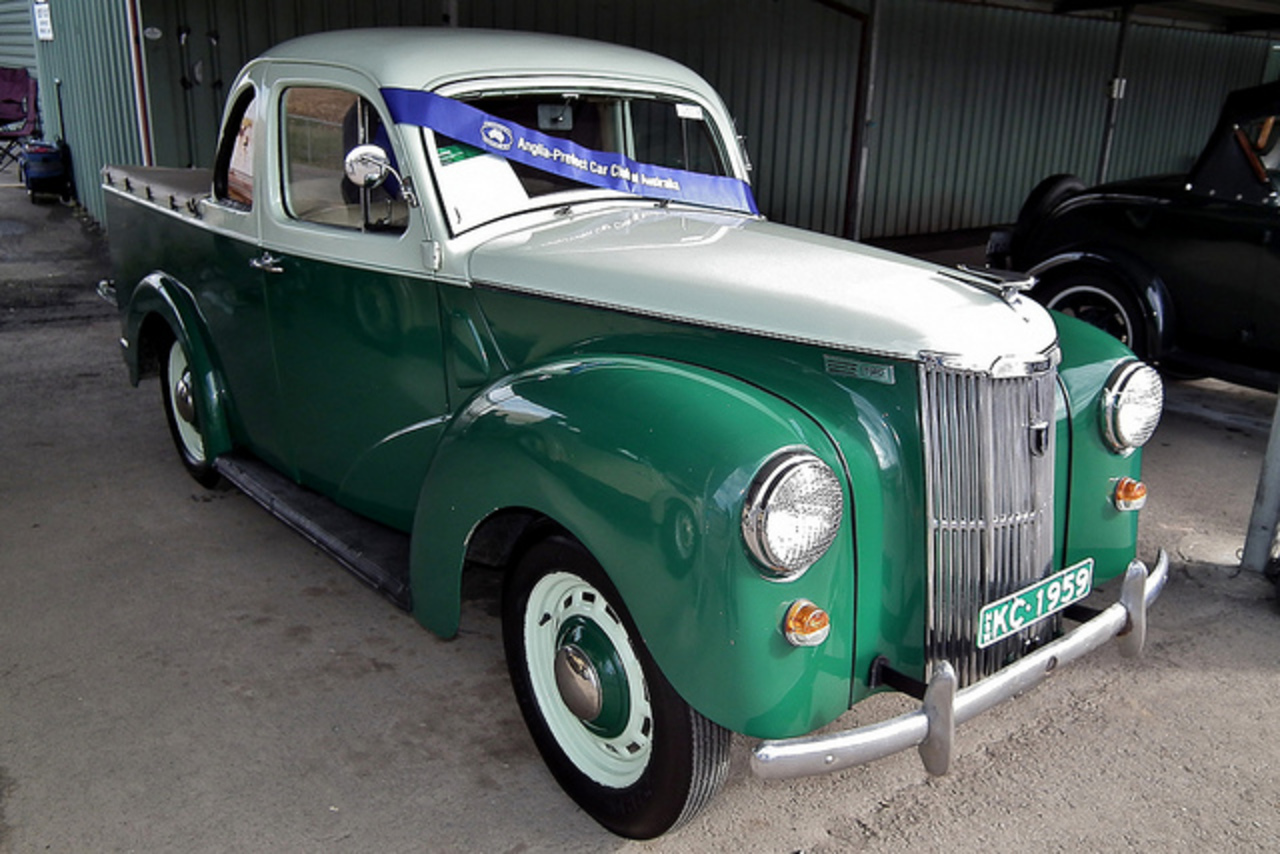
(749, 275)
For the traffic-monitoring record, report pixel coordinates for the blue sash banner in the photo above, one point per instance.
(562, 157)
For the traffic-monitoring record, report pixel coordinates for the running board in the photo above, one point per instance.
(374, 553)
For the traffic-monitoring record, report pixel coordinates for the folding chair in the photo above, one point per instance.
(19, 112)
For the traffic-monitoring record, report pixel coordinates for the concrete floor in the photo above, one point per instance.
(179, 672)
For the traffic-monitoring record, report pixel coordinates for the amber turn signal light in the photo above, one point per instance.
(1130, 494)
(806, 624)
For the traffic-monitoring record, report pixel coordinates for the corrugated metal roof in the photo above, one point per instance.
(1255, 17)
(1226, 16)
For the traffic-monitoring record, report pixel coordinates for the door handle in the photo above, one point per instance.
(267, 263)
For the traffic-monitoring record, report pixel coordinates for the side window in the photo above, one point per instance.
(233, 170)
(320, 126)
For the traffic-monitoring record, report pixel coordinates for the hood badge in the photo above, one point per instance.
(1005, 284)
(841, 366)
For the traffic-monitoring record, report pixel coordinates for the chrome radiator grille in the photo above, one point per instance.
(989, 482)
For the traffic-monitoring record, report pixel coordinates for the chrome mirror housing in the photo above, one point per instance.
(367, 166)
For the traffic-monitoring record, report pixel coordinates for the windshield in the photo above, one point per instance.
(1262, 134)
(502, 154)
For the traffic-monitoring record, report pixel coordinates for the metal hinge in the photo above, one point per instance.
(431, 255)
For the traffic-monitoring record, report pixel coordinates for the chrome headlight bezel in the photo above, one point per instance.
(1132, 400)
(786, 482)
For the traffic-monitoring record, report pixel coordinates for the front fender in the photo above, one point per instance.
(1094, 527)
(647, 463)
(159, 307)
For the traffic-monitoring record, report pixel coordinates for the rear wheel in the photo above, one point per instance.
(1098, 298)
(179, 390)
(612, 730)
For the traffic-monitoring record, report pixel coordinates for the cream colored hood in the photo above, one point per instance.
(749, 275)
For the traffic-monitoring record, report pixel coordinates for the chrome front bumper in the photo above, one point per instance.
(931, 728)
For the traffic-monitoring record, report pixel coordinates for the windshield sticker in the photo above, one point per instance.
(692, 112)
(458, 152)
(608, 170)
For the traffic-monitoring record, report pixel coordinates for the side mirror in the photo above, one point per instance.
(367, 166)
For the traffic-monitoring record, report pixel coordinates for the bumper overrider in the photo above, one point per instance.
(931, 728)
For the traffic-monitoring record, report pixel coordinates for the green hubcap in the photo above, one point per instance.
(591, 678)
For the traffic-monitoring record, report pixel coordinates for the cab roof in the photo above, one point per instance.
(429, 57)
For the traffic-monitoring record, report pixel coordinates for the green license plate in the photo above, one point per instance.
(1032, 604)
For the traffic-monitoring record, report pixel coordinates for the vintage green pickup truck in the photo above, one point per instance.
(454, 301)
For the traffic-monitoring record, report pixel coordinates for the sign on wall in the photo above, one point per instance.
(43, 20)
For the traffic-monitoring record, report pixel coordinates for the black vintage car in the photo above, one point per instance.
(1183, 268)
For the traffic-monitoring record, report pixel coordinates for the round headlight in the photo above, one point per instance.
(793, 512)
(1131, 404)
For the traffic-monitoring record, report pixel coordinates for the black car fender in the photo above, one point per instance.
(1139, 280)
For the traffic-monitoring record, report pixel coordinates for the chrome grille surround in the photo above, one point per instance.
(989, 463)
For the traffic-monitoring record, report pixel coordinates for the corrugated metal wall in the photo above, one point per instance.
(194, 48)
(1183, 77)
(788, 71)
(90, 55)
(975, 105)
(17, 41)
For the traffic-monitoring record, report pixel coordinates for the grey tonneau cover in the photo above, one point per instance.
(176, 189)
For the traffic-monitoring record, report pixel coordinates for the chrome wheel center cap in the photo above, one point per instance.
(182, 399)
(579, 683)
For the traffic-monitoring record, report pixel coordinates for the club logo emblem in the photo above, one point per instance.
(496, 135)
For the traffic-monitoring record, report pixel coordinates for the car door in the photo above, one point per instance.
(1209, 253)
(230, 285)
(355, 319)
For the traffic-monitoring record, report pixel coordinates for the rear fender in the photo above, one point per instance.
(646, 462)
(159, 310)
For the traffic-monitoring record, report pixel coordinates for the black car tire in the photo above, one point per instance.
(1097, 296)
(646, 761)
(179, 391)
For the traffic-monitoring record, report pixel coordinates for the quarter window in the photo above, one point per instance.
(320, 126)
(233, 172)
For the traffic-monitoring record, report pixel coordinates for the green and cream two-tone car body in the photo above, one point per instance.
(620, 369)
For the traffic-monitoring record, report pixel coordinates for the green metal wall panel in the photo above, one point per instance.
(89, 54)
(17, 39)
(975, 104)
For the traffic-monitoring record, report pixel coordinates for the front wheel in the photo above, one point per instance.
(179, 390)
(612, 730)
(1098, 298)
